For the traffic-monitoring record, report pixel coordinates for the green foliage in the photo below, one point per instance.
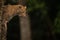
(57, 23)
(34, 4)
(37, 4)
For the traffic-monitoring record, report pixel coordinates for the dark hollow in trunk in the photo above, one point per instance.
(13, 31)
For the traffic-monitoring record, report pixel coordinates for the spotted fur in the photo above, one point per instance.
(12, 10)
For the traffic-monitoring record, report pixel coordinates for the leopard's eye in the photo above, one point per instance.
(19, 6)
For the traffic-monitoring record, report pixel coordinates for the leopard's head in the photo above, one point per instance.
(22, 10)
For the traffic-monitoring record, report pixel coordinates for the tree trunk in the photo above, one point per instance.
(25, 28)
(25, 24)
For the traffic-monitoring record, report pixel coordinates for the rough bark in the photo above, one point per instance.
(25, 28)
